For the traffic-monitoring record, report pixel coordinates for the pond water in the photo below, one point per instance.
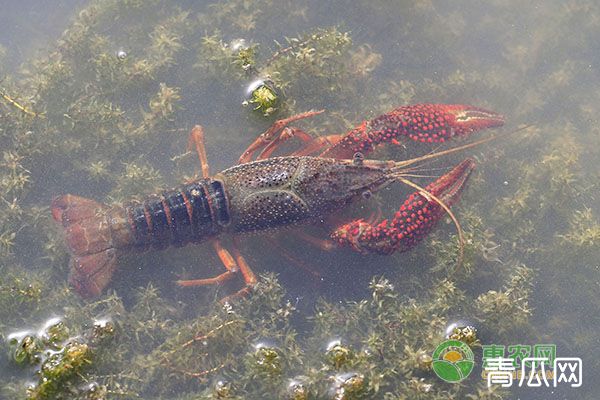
(98, 99)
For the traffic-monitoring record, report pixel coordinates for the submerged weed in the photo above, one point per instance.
(112, 102)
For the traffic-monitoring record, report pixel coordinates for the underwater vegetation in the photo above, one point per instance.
(105, 112)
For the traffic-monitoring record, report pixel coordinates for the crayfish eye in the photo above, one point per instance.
(358, 158)
(367, 194)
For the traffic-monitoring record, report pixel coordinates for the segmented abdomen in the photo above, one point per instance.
(191, 213)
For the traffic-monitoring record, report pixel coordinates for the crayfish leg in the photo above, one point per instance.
(233, 264)
(270, 134)
(227, 260)
(286, 134)
(293, 260)
(249, 277)
(196, 140)
(216, 280)
(318, 144)
(322, 244)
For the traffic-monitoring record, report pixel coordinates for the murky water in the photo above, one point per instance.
(98, 100)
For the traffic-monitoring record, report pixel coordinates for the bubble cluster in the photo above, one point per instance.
(57, 357)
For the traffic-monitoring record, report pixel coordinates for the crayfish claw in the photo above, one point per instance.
(435, 123)
(428, 123)
(468, 119)
(412, 222)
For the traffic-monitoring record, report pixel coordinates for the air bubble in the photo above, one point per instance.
(121, 54)
(267, 359)
(346, 386)
(238, 44)
(424, 361)
(338, 354)
(103, 329)
(263, 96)
(222, 389)
(297, 389)
(54, 332)
(462, 330)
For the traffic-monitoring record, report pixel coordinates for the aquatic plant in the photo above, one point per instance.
(106, 113)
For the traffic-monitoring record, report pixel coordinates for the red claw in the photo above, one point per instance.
(429, 123)
(412, 222)
(466, 119)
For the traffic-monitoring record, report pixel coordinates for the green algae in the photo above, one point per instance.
(85, 120)
(263, 98)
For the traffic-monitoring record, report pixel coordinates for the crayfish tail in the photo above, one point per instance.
(91, 273)
(88, 236)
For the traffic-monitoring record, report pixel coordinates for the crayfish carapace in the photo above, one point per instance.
(272, 193)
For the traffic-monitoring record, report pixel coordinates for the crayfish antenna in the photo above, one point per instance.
(400, 165)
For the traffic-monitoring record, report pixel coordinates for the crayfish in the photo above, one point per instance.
(264, 193)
